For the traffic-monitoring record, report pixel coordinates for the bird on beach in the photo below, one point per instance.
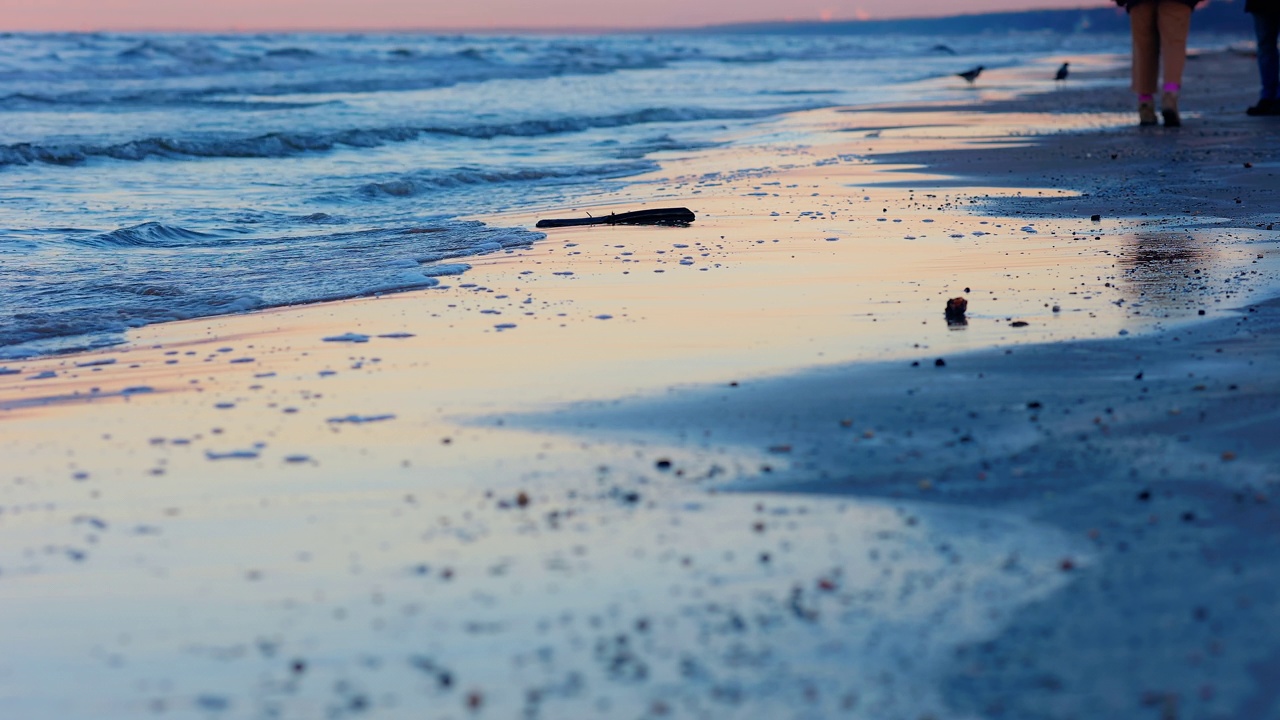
(1062, 72)
(971, 75)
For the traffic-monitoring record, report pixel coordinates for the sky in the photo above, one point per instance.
(221, 15)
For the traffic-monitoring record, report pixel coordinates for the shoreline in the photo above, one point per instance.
(394, 490)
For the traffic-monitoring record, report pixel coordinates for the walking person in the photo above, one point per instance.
(1266, 24)
(1159, 29)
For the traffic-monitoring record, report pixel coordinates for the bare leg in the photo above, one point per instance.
(1174, 22)
(1146, 46)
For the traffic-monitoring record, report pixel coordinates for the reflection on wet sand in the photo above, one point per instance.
(1179, 274)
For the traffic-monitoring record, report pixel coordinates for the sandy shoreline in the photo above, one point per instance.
(442, 516)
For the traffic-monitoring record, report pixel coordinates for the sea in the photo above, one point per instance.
(146, 178)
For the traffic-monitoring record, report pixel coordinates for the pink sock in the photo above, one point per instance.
(1146, 97)
(1172, 87)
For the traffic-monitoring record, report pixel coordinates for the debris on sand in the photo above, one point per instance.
(956, 308)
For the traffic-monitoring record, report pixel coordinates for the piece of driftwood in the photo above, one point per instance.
(680, 217)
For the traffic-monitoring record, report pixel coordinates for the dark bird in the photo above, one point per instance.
(1062, 72)
(971, 75)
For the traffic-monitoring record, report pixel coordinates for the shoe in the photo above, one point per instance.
(1169, 109)
(1264, 108)
(1146, 113)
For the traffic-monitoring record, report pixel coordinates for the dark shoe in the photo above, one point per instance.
(1146, 114)
(1169, 109)
(1265, 108)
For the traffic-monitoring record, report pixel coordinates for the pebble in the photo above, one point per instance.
(348, 337)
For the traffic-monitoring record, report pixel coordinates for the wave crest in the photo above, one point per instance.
(145, 235)
(274, 145)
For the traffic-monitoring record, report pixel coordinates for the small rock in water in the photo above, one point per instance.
(348, 337)
(213, 703)
(232, 455)
(1019, 323)
(1096, 218)
(956, 308)
(358, 419)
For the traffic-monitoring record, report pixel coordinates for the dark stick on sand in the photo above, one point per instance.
(680, 217)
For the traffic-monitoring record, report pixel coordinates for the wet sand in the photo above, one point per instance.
(744, 468)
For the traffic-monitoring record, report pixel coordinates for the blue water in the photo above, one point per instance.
(146, 178)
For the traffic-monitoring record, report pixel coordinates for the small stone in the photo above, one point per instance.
(1096, 218)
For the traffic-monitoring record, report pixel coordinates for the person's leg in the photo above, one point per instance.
(1267, 27)
(1146, 59)
(1146, 47)
(1174, 22)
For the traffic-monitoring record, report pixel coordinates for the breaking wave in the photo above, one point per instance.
(284, 144)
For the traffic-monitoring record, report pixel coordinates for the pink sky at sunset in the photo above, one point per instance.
(466, 14)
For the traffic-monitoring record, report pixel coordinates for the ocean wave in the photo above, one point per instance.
(186, 66)
(143, 281)
(106, 70)
(145, 235)
(418, 183)
(116, 99)
(285, 144)
(662, 143)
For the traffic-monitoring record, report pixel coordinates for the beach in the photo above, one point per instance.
(745, 468)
